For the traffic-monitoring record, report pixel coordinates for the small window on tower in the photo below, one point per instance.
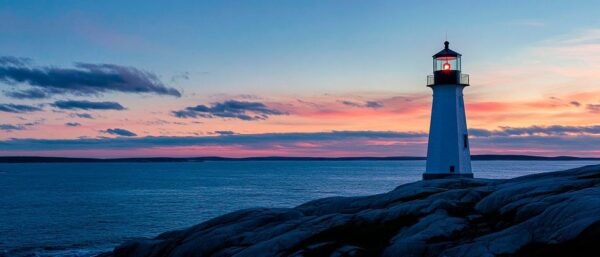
(466, 140)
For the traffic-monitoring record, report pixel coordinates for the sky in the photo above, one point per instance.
(292, 78)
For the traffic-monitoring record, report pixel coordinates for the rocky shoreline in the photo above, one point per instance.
(548, 214)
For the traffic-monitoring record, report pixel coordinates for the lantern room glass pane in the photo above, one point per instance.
(446, 63)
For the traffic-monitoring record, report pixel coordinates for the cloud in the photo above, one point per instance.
(224, 132)
(555, 130)
(32, 93)
(10, 127)
(368, 104)
(22, 126)
(179, 77)
(82, 115)
(229, 109)
(119, 132)
(593, 108)
(18, 108)
(350, 103)
(373, 104)
(480, 132)
(83, 79)
(568, 67)
(14, 61)
(329, 107)
(72, 124)
(575, 103)
(87, 105)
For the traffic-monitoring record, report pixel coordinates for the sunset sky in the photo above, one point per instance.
(292, 78)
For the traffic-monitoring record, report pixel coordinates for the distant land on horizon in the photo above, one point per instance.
(485, 157)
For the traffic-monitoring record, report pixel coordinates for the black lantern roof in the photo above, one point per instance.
(446, 52)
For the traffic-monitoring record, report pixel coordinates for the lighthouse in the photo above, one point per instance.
(448, 153)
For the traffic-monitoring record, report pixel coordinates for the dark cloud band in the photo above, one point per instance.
(249, 140)
(18, 108)
(87, 105)
(223, 132)
(83, 79)
(119, 132)
(364, 143)
(229, 109)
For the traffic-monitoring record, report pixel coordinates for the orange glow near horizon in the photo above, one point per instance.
(526, 89)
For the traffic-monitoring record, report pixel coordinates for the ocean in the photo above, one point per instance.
(81, 209)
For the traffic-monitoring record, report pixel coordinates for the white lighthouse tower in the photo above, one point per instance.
(448, 153)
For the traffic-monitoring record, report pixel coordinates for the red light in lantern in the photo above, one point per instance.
(446, 66)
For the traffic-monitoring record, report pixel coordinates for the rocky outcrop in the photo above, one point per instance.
(550, 214)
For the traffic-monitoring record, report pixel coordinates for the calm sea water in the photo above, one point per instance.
(80, 209)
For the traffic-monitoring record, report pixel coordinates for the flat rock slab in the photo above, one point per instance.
(548, 214)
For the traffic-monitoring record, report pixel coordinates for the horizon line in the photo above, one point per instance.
(477, 157)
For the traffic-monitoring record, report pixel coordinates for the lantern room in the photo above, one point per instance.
(446, 59)
(447, 68)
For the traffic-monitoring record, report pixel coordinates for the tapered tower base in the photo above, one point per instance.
(429, 176)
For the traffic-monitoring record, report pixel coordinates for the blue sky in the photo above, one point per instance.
(315, 63)
(235, 44)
